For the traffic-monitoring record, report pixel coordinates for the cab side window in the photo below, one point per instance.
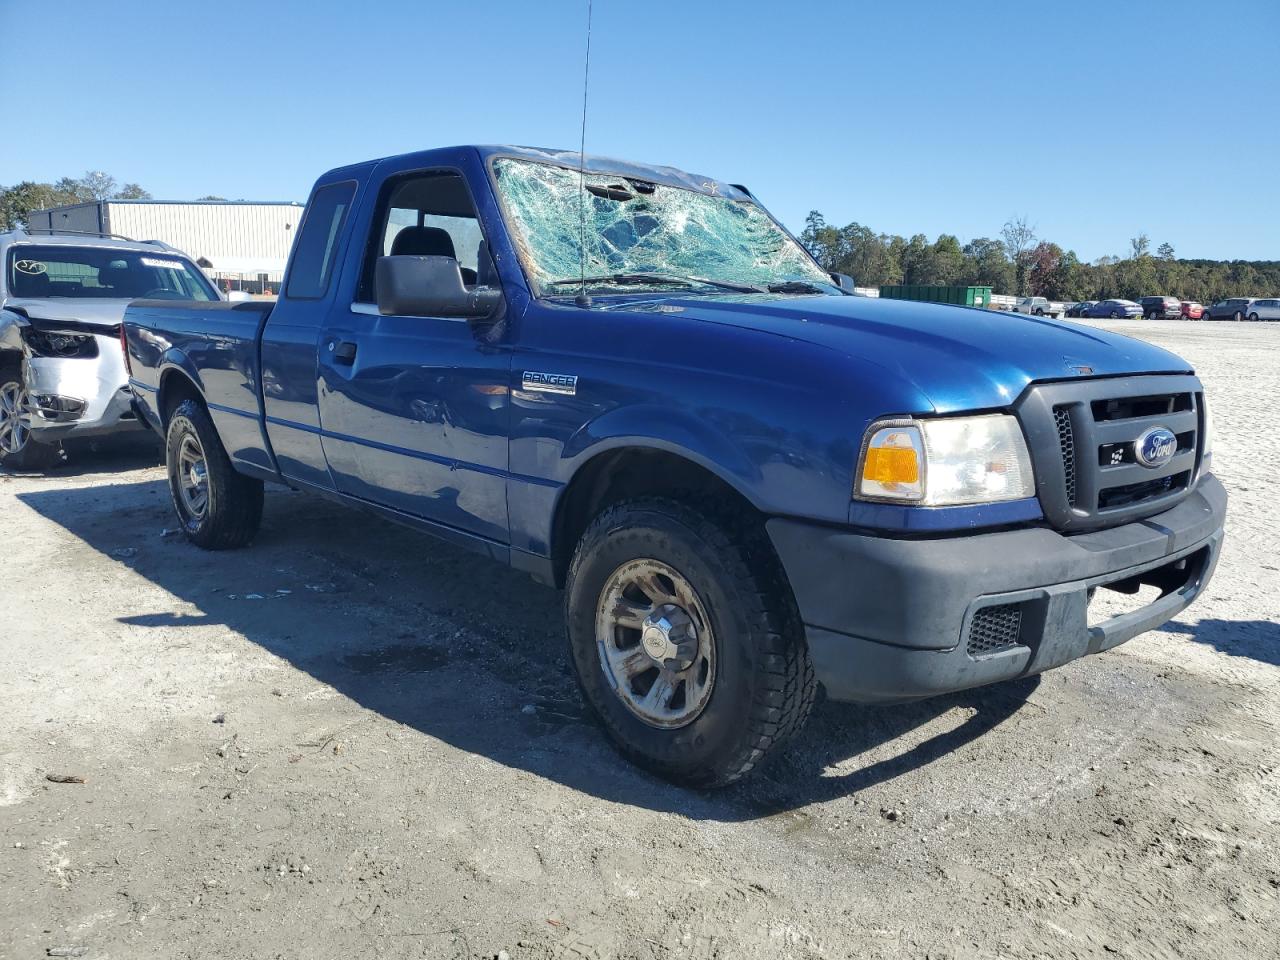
(432, 215)
(317, 244)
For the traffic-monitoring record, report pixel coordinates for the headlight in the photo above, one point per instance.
(945, 461)
(61, 345)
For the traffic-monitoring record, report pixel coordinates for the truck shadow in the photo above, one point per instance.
(466, 651)
(1255, 639)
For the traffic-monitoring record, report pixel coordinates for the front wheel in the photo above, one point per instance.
(1253, 318)
(18, 451)
(686, 641)
(217, 508)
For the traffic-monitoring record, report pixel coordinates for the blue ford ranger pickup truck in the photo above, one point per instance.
(633, 383)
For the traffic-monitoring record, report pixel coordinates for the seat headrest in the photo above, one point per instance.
(423, 242)
(118, 276)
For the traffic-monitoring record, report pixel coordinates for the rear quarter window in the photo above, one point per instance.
(316, 250)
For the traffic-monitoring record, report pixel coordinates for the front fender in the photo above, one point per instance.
(11, 325)
(671, 431)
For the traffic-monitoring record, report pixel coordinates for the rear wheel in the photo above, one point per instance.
(1253, 318)
(1116, 314)
(218, 508)
(686, 641)
(18, 451)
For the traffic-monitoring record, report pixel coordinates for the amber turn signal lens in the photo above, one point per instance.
(891, 465)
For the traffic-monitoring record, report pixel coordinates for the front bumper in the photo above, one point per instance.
(891, 619)
(80, 397)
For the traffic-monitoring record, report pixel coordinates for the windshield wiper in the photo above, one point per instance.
(794, 286)
(663, 279)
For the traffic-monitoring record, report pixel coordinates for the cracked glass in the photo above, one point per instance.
(643, 234)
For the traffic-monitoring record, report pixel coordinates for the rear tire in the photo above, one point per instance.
(18, 450)
(749, 674)
(1115, 315)
(218, 508)
(1253, 318)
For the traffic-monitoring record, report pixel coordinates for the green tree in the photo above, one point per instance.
(987, 265)
(1019, 237)
(131, 191)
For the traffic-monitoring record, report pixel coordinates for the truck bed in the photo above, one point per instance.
(216, 345)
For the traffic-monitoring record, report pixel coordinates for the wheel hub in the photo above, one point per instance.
(669, 637)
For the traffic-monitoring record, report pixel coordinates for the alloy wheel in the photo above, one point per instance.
(193, 478)
(656, 645)
(14, 417)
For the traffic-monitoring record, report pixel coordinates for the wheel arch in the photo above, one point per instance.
(627, 468)
(176, 384)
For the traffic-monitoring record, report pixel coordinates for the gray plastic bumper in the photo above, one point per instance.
(889, 619)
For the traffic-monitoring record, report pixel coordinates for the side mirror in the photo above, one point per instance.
(429, 287)
(843, 281)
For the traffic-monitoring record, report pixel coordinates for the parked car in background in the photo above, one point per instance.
(62, 373)
(897, 519)
(1078, 309)
(1040, 307)
(1235, 308)
(1160, 308)
(1114, 310)
(1191, 309)
(1265, 309)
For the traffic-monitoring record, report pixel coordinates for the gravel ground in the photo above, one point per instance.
(351, 740)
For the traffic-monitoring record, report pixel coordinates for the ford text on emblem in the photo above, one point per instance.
(1156, 447)
(549, 382)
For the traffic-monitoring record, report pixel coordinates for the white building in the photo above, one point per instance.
(242, 245)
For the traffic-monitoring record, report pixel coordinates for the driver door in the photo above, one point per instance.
(415, 408)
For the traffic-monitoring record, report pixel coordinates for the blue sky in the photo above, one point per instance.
(1095, 120)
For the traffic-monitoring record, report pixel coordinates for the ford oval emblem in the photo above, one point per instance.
(1156, 447)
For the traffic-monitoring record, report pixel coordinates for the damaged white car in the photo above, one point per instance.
(62, 371)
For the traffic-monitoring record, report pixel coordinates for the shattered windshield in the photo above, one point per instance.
(645, 235)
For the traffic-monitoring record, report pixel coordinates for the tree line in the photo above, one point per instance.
(18, 201)
(1022, 264)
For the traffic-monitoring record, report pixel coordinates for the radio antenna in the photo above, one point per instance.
(582, 299)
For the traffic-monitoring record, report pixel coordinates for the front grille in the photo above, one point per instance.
(994, 629)
(1067, 444)
(1084, 435)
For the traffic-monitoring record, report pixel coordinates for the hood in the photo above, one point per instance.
(960, 358)
(91, 312)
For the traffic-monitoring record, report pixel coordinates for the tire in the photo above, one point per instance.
(1253, 318)
(1039, 312)
(18, 451)
(222, 509)
(1116, 316)
(749, 639)
(1237, 316)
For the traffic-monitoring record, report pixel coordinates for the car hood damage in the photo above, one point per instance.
(83, 315)
(960, 358)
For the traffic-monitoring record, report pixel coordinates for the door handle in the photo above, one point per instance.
(343, 352)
